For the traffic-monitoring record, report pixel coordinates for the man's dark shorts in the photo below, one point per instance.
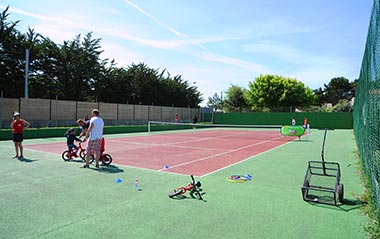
(18, 138)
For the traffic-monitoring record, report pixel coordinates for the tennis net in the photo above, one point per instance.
(162, 126)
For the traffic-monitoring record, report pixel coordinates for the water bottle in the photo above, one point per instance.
(137, 188)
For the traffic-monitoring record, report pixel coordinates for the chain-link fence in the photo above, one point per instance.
(367, 106)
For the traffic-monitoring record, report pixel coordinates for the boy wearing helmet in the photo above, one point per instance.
(70, 136)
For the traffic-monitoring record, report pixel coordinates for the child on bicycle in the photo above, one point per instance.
(70, 136)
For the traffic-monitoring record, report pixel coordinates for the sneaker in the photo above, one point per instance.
(15, 157)
(21, 157)
(85, 166)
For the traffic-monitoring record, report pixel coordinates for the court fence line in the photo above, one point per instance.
(55, 112)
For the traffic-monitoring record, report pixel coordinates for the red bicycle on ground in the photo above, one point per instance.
(193, 187)
(68, 155)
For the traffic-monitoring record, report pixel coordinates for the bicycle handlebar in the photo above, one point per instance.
(192, 178)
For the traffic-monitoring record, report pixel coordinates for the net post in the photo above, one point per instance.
(148, 127)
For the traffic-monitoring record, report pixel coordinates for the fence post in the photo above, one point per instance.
(134, 112)
(76, 110)
(56, 110)
(1, 110)
(50, 109)
(19, 105)
(117, 112)
(149, 112)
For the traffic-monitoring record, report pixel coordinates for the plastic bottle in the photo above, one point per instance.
(137, 185)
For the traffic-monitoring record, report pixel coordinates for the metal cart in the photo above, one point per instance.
(322, 181)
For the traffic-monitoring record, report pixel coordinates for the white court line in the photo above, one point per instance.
(254, 156)
(186, 141)
(224, 153)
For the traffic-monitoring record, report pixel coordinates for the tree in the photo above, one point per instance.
(69, 71)
(74, 71)
(342, 106)
(215, 102)
(321, 96)
(268, 92)
(12, 58)
(113, 85)
(338, 88)
(235, 99)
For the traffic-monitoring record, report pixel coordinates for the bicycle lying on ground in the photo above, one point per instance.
(193, 187)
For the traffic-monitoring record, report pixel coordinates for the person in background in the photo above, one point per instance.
(70, 136)
(94, 135)
(293, 120)
(195, 119)
(18, 126)
(305, 123)
(176, 118)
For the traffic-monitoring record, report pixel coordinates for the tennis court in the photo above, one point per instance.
(45, 197)
(198, 152)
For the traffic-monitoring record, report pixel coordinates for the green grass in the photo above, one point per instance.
(44, 197)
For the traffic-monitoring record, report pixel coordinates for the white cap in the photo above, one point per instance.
(16, 114)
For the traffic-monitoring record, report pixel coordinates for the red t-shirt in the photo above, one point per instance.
(18, 126)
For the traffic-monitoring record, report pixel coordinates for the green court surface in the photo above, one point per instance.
(45, 197)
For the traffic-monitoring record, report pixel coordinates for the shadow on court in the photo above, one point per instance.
(26, 160)
(108, 169)
(346, 206)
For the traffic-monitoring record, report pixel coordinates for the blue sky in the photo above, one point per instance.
(213, 43)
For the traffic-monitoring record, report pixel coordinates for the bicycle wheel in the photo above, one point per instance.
(176, 192)
(82, 154)
(92, 159)
(107, 159)
(66, 155)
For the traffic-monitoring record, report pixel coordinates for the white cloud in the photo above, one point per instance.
(312, 68)
(123, 56)
(251, 66)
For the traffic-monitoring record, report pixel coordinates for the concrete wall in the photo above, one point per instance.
(49, 112)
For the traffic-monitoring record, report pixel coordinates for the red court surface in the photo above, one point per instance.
(197, 152)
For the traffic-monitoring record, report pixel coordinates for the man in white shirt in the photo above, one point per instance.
(94, 135)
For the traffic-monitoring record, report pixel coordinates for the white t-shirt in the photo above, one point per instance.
(97, 128)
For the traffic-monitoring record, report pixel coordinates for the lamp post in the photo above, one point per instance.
(26, 73)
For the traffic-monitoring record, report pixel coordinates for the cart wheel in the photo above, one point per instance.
(304, 190)
(340, 193)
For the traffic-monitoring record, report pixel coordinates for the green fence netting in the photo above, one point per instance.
(367, 106)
